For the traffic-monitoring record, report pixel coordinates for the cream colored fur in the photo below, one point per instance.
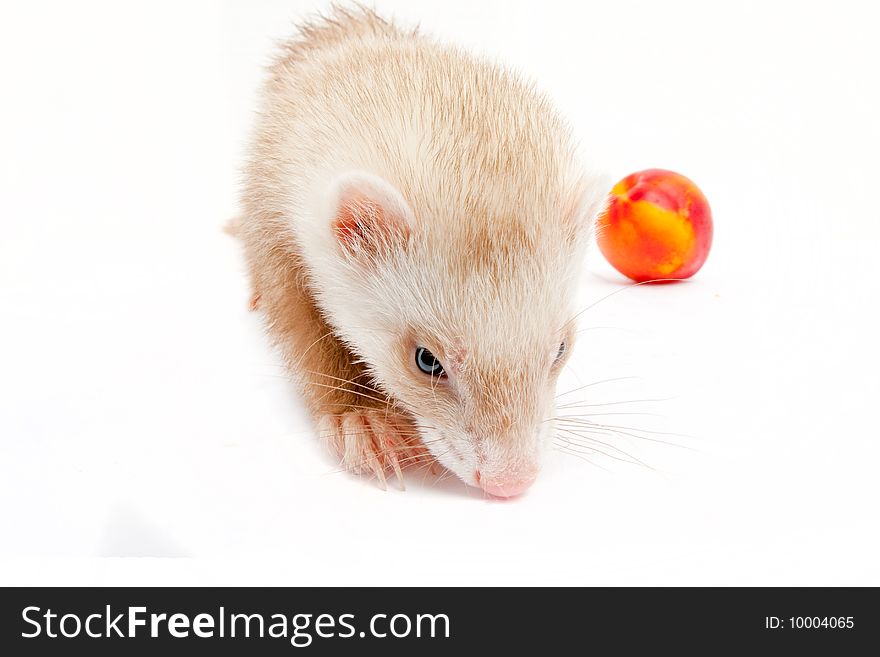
(482, 177)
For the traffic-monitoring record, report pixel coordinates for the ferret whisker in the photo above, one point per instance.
(310, 347)
(571, 452)
(343, 380)
(282, 366)
(366, 431)
(586, 449)
(592, 440)
(358, 407)
(316, 383)
(387, 408)
(444, 476)
(595, 383)
(580, 433)
(616, 292)
(429, 467)
(593, 423)
(613, 412)
(616, 403)
(340, 388)
(620, 432)
(353, 392)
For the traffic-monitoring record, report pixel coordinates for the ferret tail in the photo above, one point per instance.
(233, 226)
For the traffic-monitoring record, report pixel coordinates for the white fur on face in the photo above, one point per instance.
(495, 320)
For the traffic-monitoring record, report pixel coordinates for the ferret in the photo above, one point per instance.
(414, 219)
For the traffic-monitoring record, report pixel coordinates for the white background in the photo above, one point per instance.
(143, 415)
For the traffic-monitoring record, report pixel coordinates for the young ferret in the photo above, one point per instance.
(413, 220)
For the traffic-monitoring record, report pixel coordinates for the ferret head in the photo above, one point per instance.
(463, 316)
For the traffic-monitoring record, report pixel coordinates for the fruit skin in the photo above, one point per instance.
(657, 225)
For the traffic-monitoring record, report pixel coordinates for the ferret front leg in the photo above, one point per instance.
(355, 420)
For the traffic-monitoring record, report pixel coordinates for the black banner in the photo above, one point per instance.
(435, 621)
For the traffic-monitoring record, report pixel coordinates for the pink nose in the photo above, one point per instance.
(507, 486)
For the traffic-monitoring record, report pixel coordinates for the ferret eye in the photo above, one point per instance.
(428, 363)
(562, 349)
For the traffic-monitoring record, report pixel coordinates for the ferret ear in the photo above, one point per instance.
(371, 218)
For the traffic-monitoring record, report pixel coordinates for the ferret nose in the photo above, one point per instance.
(505, 486)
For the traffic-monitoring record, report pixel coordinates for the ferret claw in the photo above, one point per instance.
(254, 303)
(395, 464)
(379, 471)
(372, 442)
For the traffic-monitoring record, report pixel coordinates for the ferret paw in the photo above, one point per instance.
(373, 442)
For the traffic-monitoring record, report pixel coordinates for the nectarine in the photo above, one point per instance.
(658, 225)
